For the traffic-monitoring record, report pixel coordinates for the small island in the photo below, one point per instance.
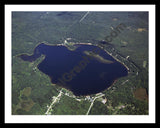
(98, 57)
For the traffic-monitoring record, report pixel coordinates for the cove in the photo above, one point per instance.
(84, 71)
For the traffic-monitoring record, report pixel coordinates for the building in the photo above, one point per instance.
(104, 101)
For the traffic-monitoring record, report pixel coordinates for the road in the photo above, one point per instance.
(124, 82)
(54, 101)
(58, 97)
(84, 16)
(93, 102)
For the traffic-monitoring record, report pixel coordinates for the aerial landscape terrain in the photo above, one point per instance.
(80, 63)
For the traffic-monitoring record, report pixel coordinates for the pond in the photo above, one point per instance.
(85, 70)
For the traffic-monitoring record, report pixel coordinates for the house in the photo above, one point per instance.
(104, 100)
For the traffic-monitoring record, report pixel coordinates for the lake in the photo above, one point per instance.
(84, 71)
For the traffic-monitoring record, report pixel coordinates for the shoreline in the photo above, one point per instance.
(68, 89)
(75, 44)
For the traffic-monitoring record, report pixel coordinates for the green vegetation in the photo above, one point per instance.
(69, 106)
(32, 90)
(29, 87)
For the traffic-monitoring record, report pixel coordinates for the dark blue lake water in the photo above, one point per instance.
(80, 73)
